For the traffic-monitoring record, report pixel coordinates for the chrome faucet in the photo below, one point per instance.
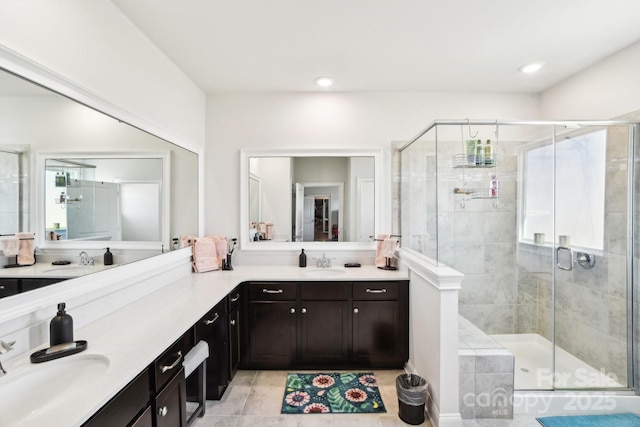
(324, 262)
(85, 259)
(5, 348)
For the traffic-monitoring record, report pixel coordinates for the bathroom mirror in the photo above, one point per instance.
(325, 199)
(38, 122)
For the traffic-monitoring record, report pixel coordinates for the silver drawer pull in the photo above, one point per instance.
(163, 411)
(166, 368)
(236, 298)
(271, 291)
(376, 291)
(1, 286)
(208, 322)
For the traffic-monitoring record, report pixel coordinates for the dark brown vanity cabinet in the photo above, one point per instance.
(236, 303)
(272, 324)
(328, 324)
(8, 287)
(13, 286)
(380, 319)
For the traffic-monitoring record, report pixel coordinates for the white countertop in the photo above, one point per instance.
(48, 270)
(135, 335)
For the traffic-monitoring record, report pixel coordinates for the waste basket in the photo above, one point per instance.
(412, 395)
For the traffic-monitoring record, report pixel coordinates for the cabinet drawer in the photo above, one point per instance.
(376, 290)
(209, 321)
(324, 290)
(169, 363)
(272, 291)
(8, 287)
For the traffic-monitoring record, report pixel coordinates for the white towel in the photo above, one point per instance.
(10, 246)
(195, 357)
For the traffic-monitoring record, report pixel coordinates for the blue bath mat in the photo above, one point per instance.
(614, 420)
(332, 393)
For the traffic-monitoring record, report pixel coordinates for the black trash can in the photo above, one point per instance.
(412, 395)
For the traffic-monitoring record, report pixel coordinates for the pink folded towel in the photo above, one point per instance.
(221, 248)
(389, 248)
(10, 246)
(27, 248)
(204, 255)
(381, 261)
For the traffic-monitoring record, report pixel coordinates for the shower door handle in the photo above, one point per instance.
(564, 258)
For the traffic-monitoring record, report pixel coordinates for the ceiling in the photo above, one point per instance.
(384, 45)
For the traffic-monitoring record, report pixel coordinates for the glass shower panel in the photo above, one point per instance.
(418, 196)
(590, 309)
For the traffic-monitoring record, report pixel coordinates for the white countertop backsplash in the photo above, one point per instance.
(132, 336)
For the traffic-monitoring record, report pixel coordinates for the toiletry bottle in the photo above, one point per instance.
(471, 151)
(494, 190)
(61, 327)
(479, 153)
(488, 154)
(108, 258)
(302, 260)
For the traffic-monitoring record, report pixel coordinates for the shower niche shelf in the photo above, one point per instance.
(477, 193)
(461, 161)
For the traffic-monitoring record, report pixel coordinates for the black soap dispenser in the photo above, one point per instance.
(61, 327)
(108, 258)
(302, 259)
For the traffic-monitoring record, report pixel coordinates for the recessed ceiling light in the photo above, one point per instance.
(531, 68)
(324, 81)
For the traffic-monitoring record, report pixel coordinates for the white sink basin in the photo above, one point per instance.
(75, 270)
(31, 392)
(325, 272)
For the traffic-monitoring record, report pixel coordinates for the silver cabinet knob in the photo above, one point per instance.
(232, 322)
(163, 411)
(293, 310)
(355, 310)
(304, 310)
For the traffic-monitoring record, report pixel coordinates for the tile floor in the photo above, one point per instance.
(254, 398)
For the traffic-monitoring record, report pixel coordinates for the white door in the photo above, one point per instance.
(308, 219)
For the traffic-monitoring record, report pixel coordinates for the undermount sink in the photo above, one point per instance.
(30, 393)
(328, 272)
(76, 269)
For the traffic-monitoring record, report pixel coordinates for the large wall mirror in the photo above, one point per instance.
(325, 199)
(77, 177)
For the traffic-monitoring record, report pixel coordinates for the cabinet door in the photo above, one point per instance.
(272, 328)
(378, 334)
(324, 334)
(170, 404)
(8, 287)
(234, 341)
(213, 329)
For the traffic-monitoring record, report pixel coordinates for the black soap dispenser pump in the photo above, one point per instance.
(61, 327)
(302, 259)
(108, 258)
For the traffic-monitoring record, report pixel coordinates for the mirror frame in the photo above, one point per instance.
(247, 245)
(39, 205)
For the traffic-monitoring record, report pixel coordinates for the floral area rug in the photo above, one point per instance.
(332, 393)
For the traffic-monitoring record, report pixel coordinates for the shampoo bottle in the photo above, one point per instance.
(488, 154)
(108, 258)
(479, 153)
(61, 327)
(302, 259)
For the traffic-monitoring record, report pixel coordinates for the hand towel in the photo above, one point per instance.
(27, 248)
(381, 261)
(221, 248)
(204, 255)
(389, 247)
(269, 230)
(10, 246)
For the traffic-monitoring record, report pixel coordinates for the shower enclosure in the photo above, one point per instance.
(542, 226)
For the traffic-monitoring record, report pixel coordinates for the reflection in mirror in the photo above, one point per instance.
(321, 198)
(104, 199)
(34, 121)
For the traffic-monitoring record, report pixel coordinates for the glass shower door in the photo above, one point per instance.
(590, 244)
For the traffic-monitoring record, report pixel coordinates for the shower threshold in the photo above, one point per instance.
(534, 369)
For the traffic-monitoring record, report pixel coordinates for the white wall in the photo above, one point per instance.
(322, 120)
(95, 46)
(606, 90)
